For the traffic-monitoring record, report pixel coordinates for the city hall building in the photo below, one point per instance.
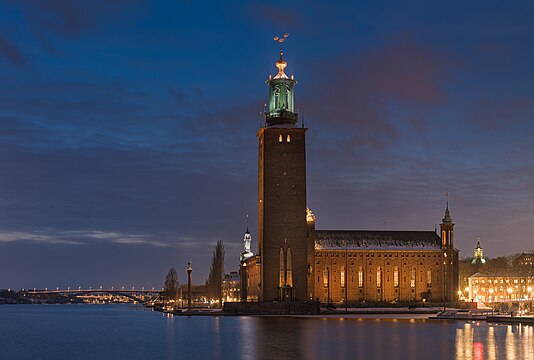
(297, 262)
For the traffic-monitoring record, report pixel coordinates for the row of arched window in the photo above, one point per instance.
(413, 272)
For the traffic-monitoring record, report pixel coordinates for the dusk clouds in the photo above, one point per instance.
(127, 131)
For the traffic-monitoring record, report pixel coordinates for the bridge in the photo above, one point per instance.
(140, 295)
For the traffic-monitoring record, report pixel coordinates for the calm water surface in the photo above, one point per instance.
(130, 332)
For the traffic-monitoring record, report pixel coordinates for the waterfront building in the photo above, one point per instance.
(297, 262)
(487, 288)
(231, 287)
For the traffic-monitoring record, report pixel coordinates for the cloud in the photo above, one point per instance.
(83, 237)
(13, 236)
(11, 52)
(377, 93)
(71, 18)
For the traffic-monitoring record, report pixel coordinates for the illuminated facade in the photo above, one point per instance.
(231, 287)
(483, 288)
(297, 262)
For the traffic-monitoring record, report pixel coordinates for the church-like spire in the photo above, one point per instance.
(447, 219)
(247, 239)
(478, 256)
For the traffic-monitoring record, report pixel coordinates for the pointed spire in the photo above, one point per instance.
(447, 219)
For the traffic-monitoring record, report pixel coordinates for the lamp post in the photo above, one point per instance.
(345, 276)
(189, 271)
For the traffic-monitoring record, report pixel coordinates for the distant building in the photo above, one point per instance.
(231, 287)
(478, 256)
(484, 288)
(297, 262)
(524, 263)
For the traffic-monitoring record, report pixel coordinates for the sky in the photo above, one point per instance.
(128, 128)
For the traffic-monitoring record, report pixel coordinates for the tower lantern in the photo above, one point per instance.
(281, 110)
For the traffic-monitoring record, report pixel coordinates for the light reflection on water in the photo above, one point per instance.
(480, 341)
(120, 332)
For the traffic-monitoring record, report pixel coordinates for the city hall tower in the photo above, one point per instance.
(285, 251)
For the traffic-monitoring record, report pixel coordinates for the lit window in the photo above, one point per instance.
(429, 278)
(360, 277)
(325, 278)
(379, 277)
(342, 273)
(396, 277)
(280, 138)
(288, 138)
(289, 274)
(412, 278)
(281, 282)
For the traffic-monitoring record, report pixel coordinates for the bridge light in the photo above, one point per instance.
(79, 287)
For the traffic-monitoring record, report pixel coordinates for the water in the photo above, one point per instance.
(131, 332)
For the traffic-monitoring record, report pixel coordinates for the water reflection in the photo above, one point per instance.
(101, 332)
(480, 341)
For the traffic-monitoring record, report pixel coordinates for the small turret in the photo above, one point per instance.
(247, 239)
(478, 256)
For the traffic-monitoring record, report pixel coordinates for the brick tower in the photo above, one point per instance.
(450, 254)
(282, 230)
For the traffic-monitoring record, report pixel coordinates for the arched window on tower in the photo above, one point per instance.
(342, 274)
(289, 272)
(429, 277)
(396, 276)
(412, 277)
(288, 138)
(280, 138)
(360, 277)
(281, 282)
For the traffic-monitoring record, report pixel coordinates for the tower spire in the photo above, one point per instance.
(447, 219)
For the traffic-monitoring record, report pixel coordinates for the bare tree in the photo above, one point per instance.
(170, 289)
(216, 274)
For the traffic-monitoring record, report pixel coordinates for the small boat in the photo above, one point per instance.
(462, 314)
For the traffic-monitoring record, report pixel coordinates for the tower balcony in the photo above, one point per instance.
(281, 117)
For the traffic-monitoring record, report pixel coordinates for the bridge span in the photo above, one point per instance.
(140, 295)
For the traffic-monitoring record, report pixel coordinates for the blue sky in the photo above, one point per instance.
(127, 128)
